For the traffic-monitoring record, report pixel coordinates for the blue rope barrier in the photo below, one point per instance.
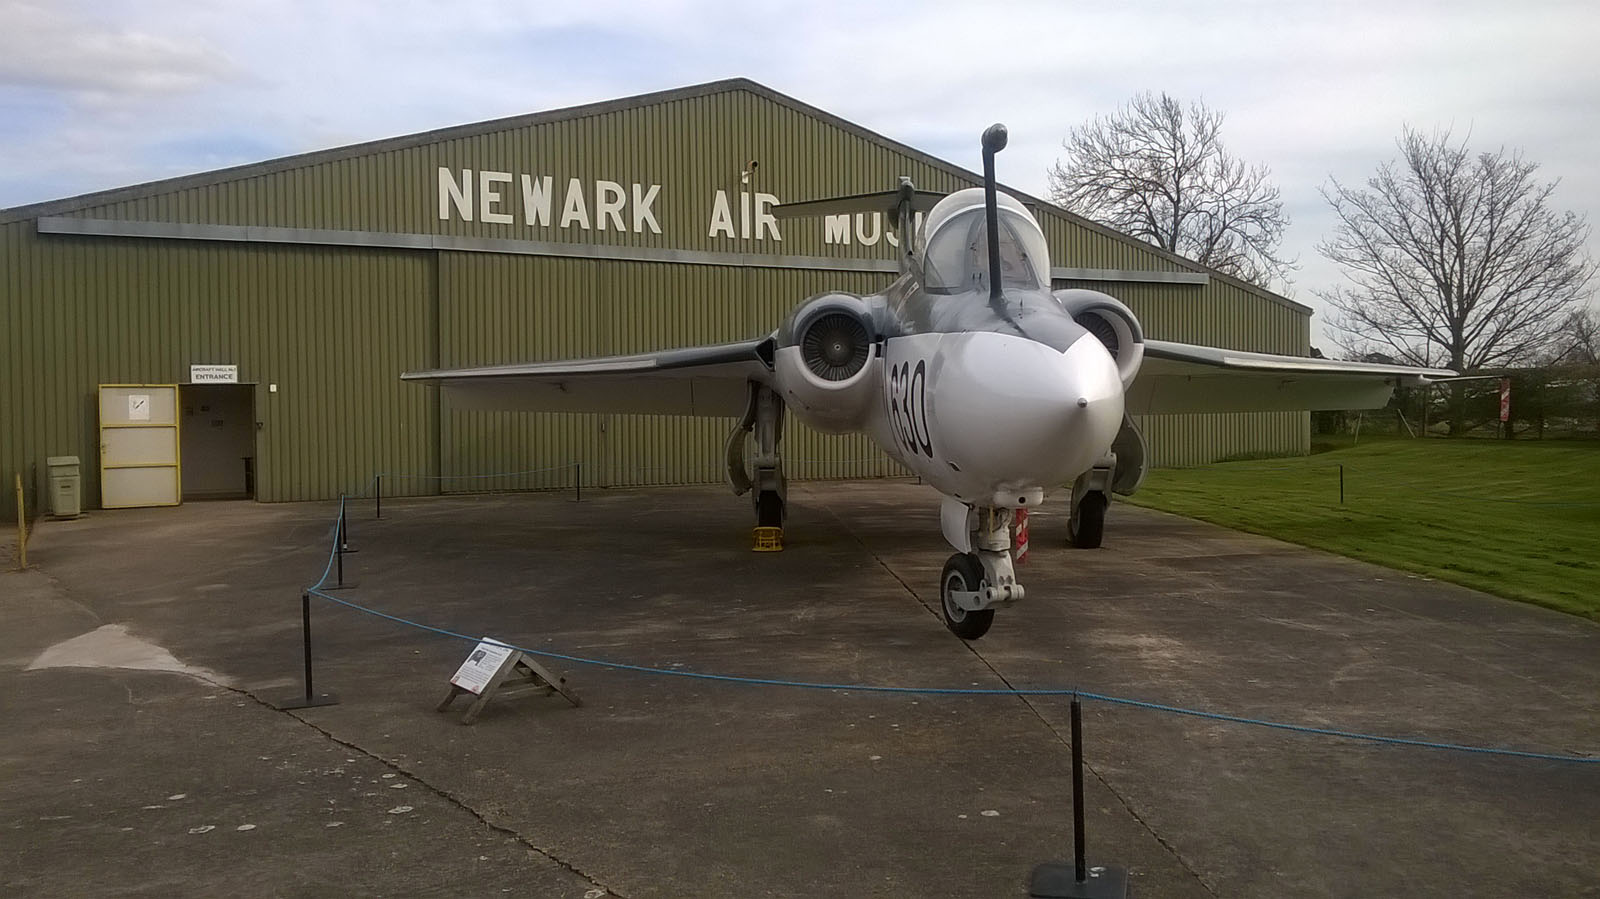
(333, 552)
(964, 691)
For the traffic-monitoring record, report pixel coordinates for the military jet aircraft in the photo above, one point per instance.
(968, 369)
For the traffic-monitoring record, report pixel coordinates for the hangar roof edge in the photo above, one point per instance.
(315, 157)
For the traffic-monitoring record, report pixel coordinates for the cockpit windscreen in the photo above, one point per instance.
(956, 249)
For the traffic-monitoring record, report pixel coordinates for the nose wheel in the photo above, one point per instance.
(963, 579)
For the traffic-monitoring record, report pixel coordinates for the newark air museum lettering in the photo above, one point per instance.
(541, 201)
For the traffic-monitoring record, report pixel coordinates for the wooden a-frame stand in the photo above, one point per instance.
(519, 675)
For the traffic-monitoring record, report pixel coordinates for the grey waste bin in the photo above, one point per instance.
(65, 486)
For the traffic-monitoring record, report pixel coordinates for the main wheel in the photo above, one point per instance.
(1087, 523)
(963, 573)
(769, 510)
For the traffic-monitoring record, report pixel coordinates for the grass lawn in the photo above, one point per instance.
(1519, 518)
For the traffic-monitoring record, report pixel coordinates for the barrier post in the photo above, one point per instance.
(1055, 880)
(377, 498)
(577, 482)
(341, 546)
(1078, 867)
(305, 633)
(311, 699)
(1341, 483)
(22, 529)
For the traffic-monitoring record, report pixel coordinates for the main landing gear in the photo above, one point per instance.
(1086, 526)
(762, 476)
(974, 582)
(1091, 495)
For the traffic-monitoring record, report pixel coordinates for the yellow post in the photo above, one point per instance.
(22, 530)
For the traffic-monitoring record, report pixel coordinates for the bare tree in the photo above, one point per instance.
(1577, 340)
(1157, 170)
(1454, 258)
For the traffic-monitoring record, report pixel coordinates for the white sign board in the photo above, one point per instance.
(481, 664)
(139, 407)
(213, 374)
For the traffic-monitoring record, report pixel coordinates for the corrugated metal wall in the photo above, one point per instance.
(329, 327)
(334, 326)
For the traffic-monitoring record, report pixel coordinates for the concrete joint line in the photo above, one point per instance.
(1027, 701)
(441, 793)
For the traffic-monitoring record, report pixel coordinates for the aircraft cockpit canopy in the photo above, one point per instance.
(955, 247)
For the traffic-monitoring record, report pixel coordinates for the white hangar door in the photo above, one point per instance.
(139, 445)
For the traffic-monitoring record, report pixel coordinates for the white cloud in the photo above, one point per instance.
(103, 95)
(59, 46)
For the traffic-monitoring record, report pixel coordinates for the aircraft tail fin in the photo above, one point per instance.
(903, 204)
(889, 201)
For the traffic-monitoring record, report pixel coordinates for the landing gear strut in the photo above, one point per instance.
(974, 582)
(772, 488)
(963, 576)
(1086, 525)
(762, 475)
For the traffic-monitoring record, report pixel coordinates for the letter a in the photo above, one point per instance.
(574, 209)
(721, 216)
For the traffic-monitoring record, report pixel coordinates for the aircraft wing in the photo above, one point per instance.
(1181, 377)
(710, 381)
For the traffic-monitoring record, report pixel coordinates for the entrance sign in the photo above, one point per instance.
(213, 374)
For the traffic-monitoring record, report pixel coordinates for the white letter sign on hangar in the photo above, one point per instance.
(506, 198)
(585, 206)
(576, 205)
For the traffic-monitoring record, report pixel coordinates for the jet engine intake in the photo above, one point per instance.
(835, 345)
(827, 362)
(1112, 323)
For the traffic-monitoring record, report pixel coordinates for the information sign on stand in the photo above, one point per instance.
(494, 669)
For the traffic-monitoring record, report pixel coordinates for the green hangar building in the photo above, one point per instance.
(242, 332)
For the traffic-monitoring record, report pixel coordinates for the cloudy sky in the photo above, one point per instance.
(103, 94)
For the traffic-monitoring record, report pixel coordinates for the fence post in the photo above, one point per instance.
(377, 498)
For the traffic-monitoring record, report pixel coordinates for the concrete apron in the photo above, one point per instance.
(671, 787)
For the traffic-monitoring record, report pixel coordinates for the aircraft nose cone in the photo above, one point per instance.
(1022, 414)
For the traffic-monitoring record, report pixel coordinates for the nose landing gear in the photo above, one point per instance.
(959, 587)
(973, 583)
